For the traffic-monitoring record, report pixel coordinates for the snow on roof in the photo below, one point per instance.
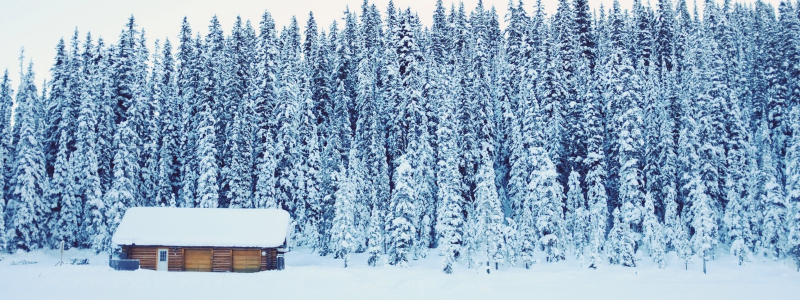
(202, 227)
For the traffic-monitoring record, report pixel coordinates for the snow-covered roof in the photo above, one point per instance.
(202, 227)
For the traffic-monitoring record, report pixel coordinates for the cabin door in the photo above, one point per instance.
(162, 262)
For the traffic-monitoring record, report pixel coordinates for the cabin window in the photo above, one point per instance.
(162, 255)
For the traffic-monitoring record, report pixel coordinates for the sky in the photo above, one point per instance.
(37, 25)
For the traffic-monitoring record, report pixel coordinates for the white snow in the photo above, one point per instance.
(308, 276)
(220, 227)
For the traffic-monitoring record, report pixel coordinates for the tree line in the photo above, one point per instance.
(603, 136)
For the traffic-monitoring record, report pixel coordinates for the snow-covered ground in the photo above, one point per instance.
(308, 276)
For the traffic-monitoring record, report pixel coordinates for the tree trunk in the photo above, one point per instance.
(496, 265)
(704, 264)
(488, 269)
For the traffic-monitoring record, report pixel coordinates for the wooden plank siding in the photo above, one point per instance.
(221, 257)
(175, 259)
(222, 261)
(146, 256)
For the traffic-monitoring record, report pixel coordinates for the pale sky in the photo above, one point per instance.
(37, 25)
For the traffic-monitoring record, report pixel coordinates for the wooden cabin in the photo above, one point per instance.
(203, 239)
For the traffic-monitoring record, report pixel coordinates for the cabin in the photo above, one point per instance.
(203, 239)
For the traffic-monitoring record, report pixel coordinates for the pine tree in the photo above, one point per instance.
(6, 103)
(207, 186)
(150, 132)
(653, 232)
(704, 239)
(630, 146)
(793, 188)
(264, 196)
(547, 198)
(26, 211)
(236, 175)
(574, 218)
(620, 244)
(85, 159)
(401, 232)
(105, 114)
(343, 235)
(596, 197)
(736, 219)
(772, 202)
(237, 169)
(188, 89)
(450, 221)
(123, 193)
(169, 156)
(489, 213)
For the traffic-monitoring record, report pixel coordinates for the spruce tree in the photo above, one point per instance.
(5, 128)
(620, 244)
(26, 211)
(793, 188)
(401, 232)
(124, 192)
(169, 156)
(343, 235)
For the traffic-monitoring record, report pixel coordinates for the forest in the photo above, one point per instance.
(606, 136)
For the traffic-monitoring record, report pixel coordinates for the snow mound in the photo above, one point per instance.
(198, 227)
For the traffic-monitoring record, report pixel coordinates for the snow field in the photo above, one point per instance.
(308, 276)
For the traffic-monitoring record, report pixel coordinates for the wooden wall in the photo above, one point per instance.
(269, 261)
(222, 260)
(146, 256)
(175, 258)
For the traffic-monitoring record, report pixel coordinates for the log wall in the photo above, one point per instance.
(222, 260)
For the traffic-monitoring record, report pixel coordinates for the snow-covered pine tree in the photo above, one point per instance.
(53, 111)
(123, 193)
(401, 232)
(105, 114)
(240, 164)
(169, 160)
(574, 218)
(343, 235)
(208, 170)
(704, 240)
(595, 164)
(736, 220)
(630, 140)
(6, 102)
(450, 220)
(771, 201)
(523, 137)
(425, 178)
(653, 236)
(151, 114)
(266, 182)
(547, 197)
(65, 219)
(26, 210)
(188, 93)
(85, 159)
(237, 177)
(488, 212)
(620, 243)
(288, 101)
(265, 73)
(64, 222)
(793, 188)
(307, 172)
